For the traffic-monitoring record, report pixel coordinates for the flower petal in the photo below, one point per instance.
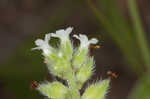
(63, 34)
(43, 45)
(93, 41)
(84, 42)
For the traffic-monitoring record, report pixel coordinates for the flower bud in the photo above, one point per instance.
(54, 90)
(96, 91)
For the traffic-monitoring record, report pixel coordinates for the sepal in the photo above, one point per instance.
(60, 68)
(85, 72)
(97, 90)
(54, 90)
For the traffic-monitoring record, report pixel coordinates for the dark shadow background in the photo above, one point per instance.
(23, 21)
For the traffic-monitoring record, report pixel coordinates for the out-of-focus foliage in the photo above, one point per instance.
(142, 88)
(119, 30)
(130, 39)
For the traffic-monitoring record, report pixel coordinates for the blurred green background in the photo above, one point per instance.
(122, 27)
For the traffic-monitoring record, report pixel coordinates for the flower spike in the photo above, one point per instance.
(71, 64)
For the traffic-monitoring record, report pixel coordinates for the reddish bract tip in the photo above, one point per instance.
(34, 85)
(92, 47)
(111, 74)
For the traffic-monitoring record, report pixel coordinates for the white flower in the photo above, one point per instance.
(43, 44)
(84, 42)
(63, 34)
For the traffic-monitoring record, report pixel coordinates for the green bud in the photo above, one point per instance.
(96, 91)
(85, 72)
(79, 58)
(54, 90)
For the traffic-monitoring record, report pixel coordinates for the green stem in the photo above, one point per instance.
(139, 32)
(73, 86)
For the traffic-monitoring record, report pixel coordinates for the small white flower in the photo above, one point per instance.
(84, 42)
(43, 45)
(63, 34)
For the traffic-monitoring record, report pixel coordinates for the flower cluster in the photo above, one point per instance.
(71, 64)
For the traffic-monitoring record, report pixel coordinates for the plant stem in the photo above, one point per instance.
(139, 32)
(73, 86)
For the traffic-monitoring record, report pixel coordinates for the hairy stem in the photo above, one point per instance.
(73, 86)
